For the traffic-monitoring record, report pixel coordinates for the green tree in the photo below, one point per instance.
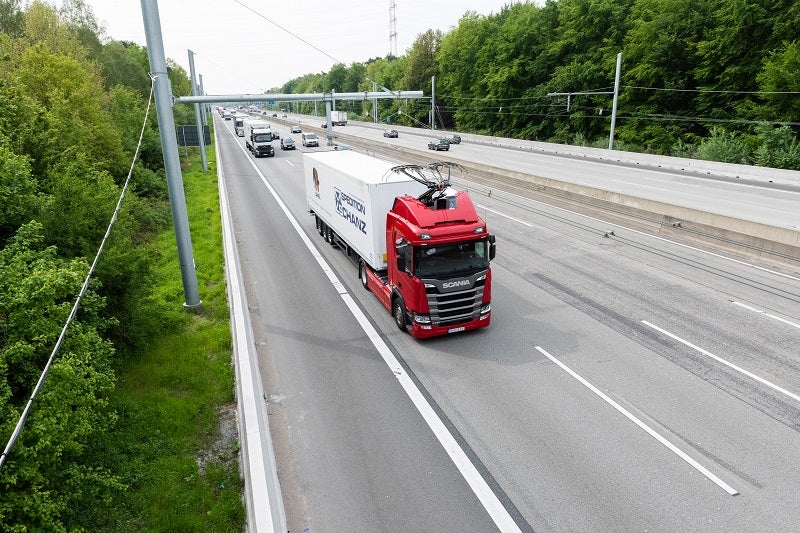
(724, 146)
(125, 63)
(779, 148)
(11, 17)
(75, 116)
(19, 201)
(49, 478)
(779, 77)
(337, 78)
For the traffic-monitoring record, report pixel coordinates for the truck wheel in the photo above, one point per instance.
(362, 274)
(319, 224)
(399, 312)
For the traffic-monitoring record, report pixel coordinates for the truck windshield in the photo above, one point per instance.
(451, 259)
(262, 137)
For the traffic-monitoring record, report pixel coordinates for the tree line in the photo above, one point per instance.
(712, 79)
(71, 110)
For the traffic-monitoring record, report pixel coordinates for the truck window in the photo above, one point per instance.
(463, 258)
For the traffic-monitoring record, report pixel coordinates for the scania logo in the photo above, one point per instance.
(451, 284)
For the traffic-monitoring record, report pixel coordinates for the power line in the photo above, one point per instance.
(320, 50)
(703, 91)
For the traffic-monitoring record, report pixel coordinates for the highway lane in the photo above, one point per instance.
(351, 450)
(759, 203)
(563, 455)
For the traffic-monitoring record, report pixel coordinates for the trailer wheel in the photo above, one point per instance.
(318, 222)
(399, 312)
(362, 274)
(331, 237)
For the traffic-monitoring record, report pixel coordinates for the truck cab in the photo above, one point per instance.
(438, 276)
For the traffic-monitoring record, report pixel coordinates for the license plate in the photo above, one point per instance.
(456, 330)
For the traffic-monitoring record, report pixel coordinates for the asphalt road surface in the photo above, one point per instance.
(626, 383)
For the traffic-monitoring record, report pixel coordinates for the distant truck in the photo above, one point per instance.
(238, 123)
(420, 246)
(258, 138)
(339, 118)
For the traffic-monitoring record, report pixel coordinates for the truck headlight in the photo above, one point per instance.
(422, 319)
(485, 308)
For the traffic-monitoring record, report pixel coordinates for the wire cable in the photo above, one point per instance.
(320, 50)
(24, 416)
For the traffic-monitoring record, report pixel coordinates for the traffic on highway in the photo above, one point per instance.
(631, 378)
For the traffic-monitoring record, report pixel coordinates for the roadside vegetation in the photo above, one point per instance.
(709, 79)
(134, 429)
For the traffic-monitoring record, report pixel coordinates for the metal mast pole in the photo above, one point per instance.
(197, 114)
(374, 104)
(614, 106)
(204, 108)
(433, 102)
(169, 146)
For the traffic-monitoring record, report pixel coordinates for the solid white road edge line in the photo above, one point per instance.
(487, 497)
(724, 362)
(759, 311)
(674, 449)
(263, 499)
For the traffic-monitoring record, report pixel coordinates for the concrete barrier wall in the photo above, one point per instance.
(755, 238)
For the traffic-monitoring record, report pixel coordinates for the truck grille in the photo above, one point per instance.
(455, 307)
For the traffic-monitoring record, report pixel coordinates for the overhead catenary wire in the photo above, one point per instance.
(257, 13)
(60, 341)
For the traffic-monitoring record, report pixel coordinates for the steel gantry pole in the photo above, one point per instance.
(169, 146)
(198, 115)
(433, 102)
(614, 106)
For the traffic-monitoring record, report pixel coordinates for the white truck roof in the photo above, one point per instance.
(362, 167)
(351, 193)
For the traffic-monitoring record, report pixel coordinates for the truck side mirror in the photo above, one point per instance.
(492, 247)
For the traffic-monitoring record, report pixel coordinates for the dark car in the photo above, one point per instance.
(274, 114)
(287, 143)
(454, 138)
(275, 135)
(297, 129)
(390, 133)
(439, 144)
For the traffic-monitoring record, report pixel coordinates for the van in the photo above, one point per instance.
(310, 139)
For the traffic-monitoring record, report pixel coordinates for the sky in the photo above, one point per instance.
(252, 46)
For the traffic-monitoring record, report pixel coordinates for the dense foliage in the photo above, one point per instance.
(715, 79)
(71, 109)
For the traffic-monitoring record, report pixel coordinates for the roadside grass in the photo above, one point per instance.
(176, 447)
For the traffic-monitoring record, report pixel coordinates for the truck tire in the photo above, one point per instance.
(399, 313)
(319, 224)
(362, 274)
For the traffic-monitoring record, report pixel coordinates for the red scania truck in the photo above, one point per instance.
(420, 246)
